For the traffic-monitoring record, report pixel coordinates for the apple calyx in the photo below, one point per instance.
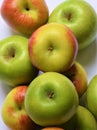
(19, 107)
(50, 48)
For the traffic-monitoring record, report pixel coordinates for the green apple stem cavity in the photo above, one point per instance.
(51, 99)
(10, 54)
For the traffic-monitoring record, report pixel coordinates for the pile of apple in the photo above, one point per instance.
(39, 63)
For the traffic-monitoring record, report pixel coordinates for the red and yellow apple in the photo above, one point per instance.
(53, 47)
(78, 75)
(24, 16)
(13, 110)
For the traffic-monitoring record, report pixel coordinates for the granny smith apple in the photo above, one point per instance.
(78, 75)
(24, 16)
(91, 96)
(15, 65)
(13, 110)
(51, 99)
(85, 120)
(53, 47)
(80, 17)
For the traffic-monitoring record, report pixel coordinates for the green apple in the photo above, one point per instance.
(80, 17)
(15, 65)
(91, 96)
(24, 16)
(51, 99)
(13, 110)
(85, 120)
(53, 47)
(82, 120)
(78, 75)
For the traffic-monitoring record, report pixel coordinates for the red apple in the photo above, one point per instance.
(53, 47)
(24, 16)
(13, 110)
(78, 75)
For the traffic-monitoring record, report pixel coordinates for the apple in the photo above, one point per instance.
(15, 65)
(52, 128)
(51, 99)
(53, 47)
(91, 96)
(24, 16)
(78, 75)
(80, 17)
(13, 110)
(85, 120)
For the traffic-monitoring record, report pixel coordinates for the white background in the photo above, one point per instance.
(87, 57)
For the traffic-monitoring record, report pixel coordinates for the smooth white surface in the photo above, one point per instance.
(87, 57)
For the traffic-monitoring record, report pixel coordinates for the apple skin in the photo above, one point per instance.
(53, 42)
(80, 17)
(51, 99)
(13, 110)
(52, 128)
(15, 65)
(24, 16)
(78, 75)
(85, 120)
(91, 96)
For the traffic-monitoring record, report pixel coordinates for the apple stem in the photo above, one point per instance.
(50, 48)
(68, 16)
(51, 94)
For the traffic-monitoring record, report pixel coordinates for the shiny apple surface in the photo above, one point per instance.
(87, 57)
